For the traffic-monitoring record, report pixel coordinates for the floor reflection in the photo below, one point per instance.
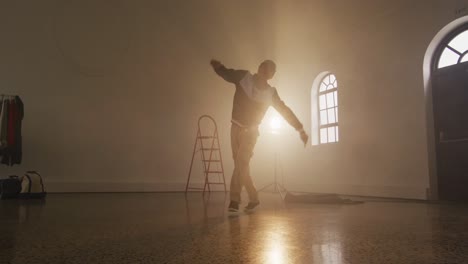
(10, 214)
(330, 250)
(173, 228)
(328, 253)
(15, 213)
(201, 207)
(275, 252)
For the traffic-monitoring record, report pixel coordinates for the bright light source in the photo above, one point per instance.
(275, 123)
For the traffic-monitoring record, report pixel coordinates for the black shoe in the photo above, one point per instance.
(251, 206)
(233, 206)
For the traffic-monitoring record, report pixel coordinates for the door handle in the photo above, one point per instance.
(441, 136)
(443, 140)
(454, 140)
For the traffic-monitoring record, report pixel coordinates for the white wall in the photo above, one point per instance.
(113, 89)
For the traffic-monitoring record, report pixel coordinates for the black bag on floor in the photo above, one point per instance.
(10, 188)
(32, 186)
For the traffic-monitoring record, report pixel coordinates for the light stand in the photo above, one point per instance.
(277, 187)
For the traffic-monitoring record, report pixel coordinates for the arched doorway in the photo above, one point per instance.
(449, 78)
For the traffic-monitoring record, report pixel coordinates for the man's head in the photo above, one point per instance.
(266, 70)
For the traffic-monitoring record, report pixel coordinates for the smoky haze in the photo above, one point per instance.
(113, 89)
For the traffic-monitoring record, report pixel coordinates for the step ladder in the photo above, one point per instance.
(210, 149)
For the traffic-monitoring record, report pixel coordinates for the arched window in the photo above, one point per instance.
(328, 109)
(324, 109)
(455, 50)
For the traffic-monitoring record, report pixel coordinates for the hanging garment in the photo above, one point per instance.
(1, 118)
(7, 128)
(4, 121)
(17, 150)
(10, 134)
(11, 123)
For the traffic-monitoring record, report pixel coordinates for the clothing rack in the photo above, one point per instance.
(7, 97)
(11, 116)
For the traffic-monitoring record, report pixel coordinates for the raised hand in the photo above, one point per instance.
(215, 64)
(304, 137)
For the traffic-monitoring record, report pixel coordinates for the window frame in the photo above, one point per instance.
(335, 108)
(444, 44)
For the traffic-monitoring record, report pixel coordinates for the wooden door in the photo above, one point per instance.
(450, 101)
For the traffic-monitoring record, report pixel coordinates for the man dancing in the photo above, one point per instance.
(252, 98)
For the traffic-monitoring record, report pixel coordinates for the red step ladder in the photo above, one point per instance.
(214, 157)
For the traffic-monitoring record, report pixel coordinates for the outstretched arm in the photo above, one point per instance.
(290, 117)
(229, 75)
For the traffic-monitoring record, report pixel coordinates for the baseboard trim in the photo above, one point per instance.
(138, 187)
(104, 187)
(402, 192)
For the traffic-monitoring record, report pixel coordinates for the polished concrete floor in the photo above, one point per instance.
(168, 228)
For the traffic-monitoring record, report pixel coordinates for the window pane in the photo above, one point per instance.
(323, 87)
(330, 100)
(331, 134)
(323, 135)
(337, 134)
(448, 58)
(322, 102)
(331, 115)
(465, 58)
(335, 93)
(336, 83)
(336, 114)
(323, 117)
(460, 42)
(332, 79)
